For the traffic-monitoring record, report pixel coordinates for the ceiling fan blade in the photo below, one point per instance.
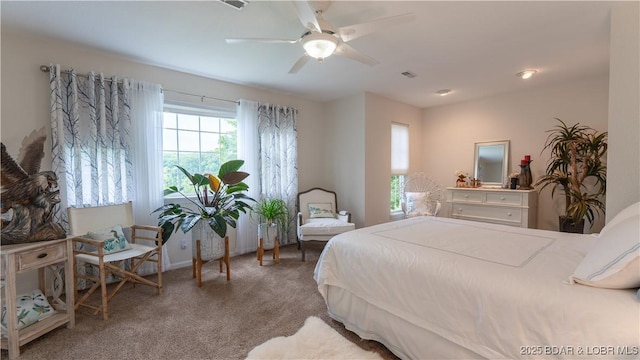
(307, 15)
(353, 54)
(348, 33)
(299, 64)
(262, 40)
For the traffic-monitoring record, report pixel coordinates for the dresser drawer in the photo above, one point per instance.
(467, 196)
(487, 213)
(504, 198)
(42, 256)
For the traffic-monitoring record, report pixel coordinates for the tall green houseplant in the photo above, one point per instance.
(218, 201)
(576, 167)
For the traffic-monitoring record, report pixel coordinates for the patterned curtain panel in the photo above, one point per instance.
(91, 139)
(91, 142)
(279, 157)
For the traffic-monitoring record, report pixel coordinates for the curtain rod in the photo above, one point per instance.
(46, 68)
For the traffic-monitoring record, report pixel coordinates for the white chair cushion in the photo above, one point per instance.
(133, 251)
(325, 226)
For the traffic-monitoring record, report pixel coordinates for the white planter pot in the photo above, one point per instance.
(268, 233)
(211, 244)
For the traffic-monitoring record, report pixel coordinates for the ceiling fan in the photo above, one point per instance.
(321, 39)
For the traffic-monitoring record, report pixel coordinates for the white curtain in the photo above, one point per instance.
(248, 150)
(147, 101)
(279, 158)
(102, 131)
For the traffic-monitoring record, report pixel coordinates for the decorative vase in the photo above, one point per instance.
(461, 182)
(525, 179)
(206, 245)
(211, 244)
(268, 240)
(268, 234)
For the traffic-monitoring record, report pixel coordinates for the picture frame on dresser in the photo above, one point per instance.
(517, 208)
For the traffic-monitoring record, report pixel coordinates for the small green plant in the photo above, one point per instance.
(272, 211)
(219, 201)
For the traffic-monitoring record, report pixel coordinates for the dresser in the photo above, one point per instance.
(54, 255)
(499, 206)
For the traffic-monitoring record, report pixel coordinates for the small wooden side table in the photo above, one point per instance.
(56, 255)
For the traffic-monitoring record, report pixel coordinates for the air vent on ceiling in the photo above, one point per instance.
(236, 4)
(408, 74)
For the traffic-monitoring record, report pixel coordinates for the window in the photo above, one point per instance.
(399, 162)
(197, 139)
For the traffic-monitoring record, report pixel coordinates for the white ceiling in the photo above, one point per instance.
(473, 48)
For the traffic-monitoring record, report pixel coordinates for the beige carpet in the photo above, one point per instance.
(315, 340)
(218, 321)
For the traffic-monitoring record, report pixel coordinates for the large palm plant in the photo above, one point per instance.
(577, 154)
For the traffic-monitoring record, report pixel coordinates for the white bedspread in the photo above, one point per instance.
(498, 291)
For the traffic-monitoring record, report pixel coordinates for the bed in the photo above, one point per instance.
(430, 287)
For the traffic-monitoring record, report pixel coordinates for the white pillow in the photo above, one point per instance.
(630, 211)
(418, 204)
(114, 239)
(614, 261)
(321, 210)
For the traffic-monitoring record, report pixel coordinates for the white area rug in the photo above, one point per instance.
(314, 340)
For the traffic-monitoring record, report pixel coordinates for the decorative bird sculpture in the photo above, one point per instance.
(28, 196)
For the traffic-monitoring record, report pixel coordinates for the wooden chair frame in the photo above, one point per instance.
(111, 264)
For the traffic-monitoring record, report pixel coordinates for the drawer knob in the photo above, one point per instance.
(42, 256)
(501, 197)
(460, 209)
(508, 214)
(466, 196)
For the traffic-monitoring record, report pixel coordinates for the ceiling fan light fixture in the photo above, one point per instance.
(319, 45)
(525, 74)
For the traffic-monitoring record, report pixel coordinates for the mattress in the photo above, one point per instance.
(492, 290)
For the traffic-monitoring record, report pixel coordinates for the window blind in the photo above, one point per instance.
(399, 149)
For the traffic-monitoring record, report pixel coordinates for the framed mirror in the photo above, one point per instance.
(491, 163)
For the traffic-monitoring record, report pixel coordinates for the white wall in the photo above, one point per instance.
(623, 182)
(345, 153)
(25, 101)
(449, 132)
(380, 113)
(359, 152)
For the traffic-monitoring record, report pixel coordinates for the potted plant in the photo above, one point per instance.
(273, 214)
(217, 204)
(577, 168)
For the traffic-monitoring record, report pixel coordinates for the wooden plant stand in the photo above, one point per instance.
(197, 262)
(276, 250)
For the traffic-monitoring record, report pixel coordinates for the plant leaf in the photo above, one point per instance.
(229, 166)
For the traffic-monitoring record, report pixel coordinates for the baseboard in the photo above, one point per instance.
(179, 265)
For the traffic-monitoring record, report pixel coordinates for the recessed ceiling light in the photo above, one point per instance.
(443, 92)
(525, 74)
